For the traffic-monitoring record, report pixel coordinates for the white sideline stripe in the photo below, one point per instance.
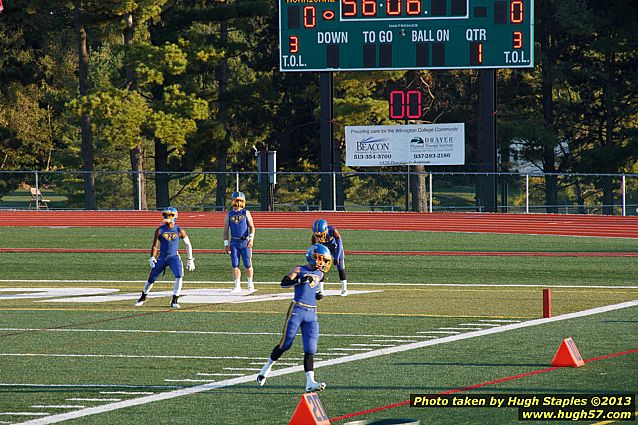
(462, 329)
(93, 399)
(396, 340)
(333, 354)
(25, 413)
(60, 406)
(229, 284)
(162, 387)
(220, 374)
(201, 332)
(129, 356)
(373, 345)
(500, 320)
(188, 380)
(480, 324)
(439, 332)
(127, 392)
(249, 369)
(279, 363)
(285, 371)
(348, 349)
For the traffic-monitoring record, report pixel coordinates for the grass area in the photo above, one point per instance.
(54, 352)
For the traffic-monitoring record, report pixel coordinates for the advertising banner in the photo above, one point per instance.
(414, 144)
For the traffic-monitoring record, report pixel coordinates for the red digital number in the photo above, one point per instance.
(413, 7)
(517, 41)
(479, 53)
(405, 104)
(397, 102)
(293, 44)
(309, 16)
(369, 7)
(413, 104)
(516, 11)
(393, 7)
(349, 7)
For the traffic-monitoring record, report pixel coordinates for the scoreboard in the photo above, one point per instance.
(342, 35)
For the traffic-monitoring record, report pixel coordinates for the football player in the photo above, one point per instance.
(166, 241)
(302, 313)
(330, 237)
(242, 234)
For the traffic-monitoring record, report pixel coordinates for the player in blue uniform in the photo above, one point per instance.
(166, 240)
(302, 313)
(239, 223)
(330, 237)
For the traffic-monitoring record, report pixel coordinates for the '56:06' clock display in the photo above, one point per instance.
(319, 35)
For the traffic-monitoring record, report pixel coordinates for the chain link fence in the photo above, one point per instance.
(611, 194)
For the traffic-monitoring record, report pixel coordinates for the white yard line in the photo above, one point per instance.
(229, 284)
(143, 331)
(59, 406)
(25, 413)
(93, 399)
(127, 392)
(439, 332)
(346, 359)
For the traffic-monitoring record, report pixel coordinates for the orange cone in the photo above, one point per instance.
(309, 411)
(567, 355)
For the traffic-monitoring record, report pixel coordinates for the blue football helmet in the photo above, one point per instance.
(319, 257)
(238, 199)
(170, 215)
(320, 230)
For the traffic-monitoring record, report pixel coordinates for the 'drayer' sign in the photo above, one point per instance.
(418, 144)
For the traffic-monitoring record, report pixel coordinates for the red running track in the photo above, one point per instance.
(543, 224)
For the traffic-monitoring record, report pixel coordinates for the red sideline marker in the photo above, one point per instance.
(547, 303)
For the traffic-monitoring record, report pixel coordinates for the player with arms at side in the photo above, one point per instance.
(329, 236)
(242, 234)
(166, 241)
(302, 313)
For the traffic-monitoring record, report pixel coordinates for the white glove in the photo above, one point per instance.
(152, 261)
(190, 264)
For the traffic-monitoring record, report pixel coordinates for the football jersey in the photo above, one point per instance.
(331, 241)
(305, 292)
(238, 224)
(169, 240)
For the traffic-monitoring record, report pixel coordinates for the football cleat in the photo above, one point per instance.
(344, 293)
(141, 301)
(315, 386)
(174, 305)
(235, 291)
(251, 289)
(319, 296)
(261, 380)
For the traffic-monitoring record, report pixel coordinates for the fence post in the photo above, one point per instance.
(139, 191)
(236, 181)
(527, 193)
(431, 193)
(37, 191)
(334, 191)
(623, 196)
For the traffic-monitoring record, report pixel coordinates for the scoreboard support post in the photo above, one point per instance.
(326, 88)
(486, 140)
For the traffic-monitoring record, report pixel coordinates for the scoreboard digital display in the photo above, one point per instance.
(336, 35)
